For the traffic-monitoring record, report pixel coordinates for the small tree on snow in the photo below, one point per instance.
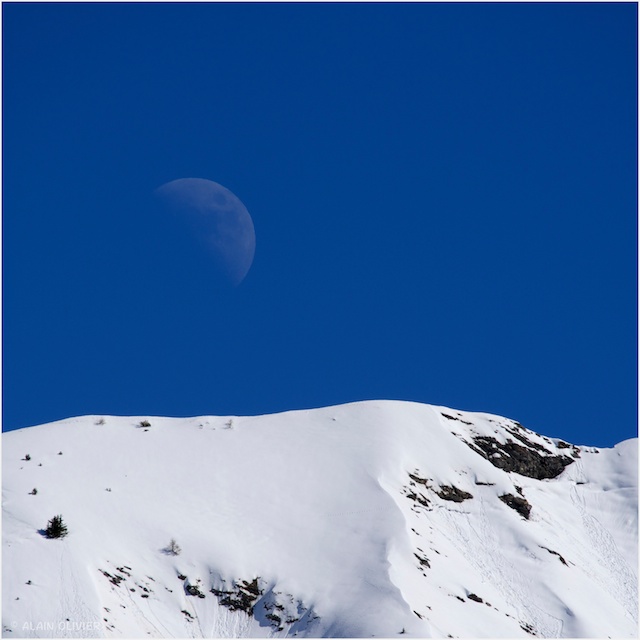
(173, 548)
(56, 528)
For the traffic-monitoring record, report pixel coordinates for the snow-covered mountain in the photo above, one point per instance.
(370, 519)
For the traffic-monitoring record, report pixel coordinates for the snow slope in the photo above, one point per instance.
(375, 518)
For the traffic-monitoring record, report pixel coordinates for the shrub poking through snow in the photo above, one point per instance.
(56, 528)
(33, 492)
(173, 548)
(144, 423)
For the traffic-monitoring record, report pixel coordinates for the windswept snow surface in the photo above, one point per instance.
(369, 519)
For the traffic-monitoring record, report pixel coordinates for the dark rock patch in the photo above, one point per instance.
(251, 587)
(453, 494)
(268, 606)
(449, 417)
(114, 579)
(413, 493)
(416, 478)
(575, 451)
(419, 498)
(239, 601)
(475, 598)
(525, 626)
(241, 598)
(520, 459)
(423, 560)
(517, 503)
(526, 442)
(193, 590)
(555, 553)
(274, 618)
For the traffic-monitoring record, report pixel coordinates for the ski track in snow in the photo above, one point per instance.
(72, 607)
(495, 569)
(622, 582)
(230, 624)
(197, 619)
(131, 604)
(149, 605)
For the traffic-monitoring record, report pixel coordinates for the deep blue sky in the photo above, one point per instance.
(444, 198)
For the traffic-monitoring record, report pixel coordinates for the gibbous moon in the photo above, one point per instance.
(218, 220)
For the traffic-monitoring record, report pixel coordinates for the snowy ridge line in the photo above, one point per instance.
(376, 518)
